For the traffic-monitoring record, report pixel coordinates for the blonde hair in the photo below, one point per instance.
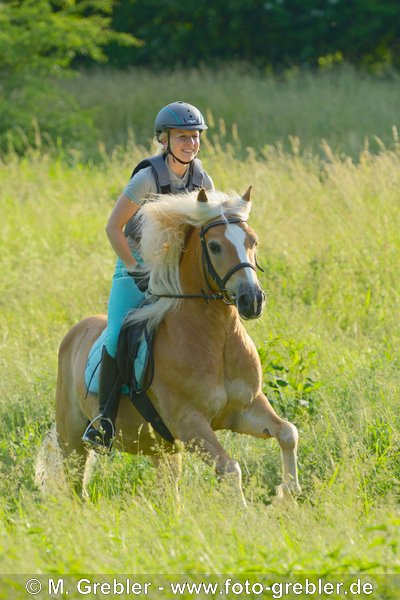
(161, 142)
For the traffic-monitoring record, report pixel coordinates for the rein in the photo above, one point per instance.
(209, 270)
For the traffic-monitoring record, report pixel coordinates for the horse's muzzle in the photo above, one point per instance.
(250, 300)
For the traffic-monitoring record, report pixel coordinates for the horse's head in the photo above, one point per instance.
(229, 253)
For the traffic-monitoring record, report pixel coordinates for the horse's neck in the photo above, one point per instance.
(219, 316)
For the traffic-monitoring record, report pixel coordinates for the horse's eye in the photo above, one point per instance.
(215, 248)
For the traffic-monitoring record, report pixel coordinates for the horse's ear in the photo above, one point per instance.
(202, 196)
(246, 195)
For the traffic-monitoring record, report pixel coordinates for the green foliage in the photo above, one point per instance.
(275, 34)
(39, 39)
(288, 377)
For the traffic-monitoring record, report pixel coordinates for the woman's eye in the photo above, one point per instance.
(184, 138)
(215, 248)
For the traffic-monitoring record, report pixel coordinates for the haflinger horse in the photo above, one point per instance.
(200, 254)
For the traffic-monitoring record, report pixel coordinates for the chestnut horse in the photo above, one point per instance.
(200, 254)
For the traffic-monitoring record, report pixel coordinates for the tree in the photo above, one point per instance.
(274, 33)
(39, 39)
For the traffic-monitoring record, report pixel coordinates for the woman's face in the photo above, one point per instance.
(184, 144)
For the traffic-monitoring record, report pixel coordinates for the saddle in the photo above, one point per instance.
(131, 340)
(136, 365)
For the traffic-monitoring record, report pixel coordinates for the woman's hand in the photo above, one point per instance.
(141, 277)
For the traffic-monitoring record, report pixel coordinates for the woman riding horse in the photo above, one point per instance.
(199, 254)
(176, 170)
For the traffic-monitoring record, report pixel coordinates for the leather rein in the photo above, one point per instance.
(209, 270)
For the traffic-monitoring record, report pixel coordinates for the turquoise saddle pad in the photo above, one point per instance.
(94, 359)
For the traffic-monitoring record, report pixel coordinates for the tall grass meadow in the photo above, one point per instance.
(345, 107)
(326, 209)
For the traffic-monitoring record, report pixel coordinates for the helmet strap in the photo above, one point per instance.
(178, 159)
(169, 151)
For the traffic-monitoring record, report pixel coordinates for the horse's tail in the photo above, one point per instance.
(49, 466)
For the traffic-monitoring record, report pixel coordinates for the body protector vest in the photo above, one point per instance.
(162, 178)
(161, 173)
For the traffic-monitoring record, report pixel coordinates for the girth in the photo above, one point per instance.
(128, 343)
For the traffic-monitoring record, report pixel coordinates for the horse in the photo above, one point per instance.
(199, 254)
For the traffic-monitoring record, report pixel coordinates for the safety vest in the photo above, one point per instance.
(161, 173)
(161, 176)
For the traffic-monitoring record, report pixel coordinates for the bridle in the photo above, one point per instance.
(209, 269)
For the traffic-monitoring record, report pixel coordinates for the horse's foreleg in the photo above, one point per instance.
(196, 433)
(260, 420)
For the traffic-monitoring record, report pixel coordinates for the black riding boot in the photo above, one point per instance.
(101, 431)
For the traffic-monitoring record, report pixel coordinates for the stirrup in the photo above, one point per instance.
(97, 438)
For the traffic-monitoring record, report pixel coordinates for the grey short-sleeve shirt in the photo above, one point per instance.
(142, 187)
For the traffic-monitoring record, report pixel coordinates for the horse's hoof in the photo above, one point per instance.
(287, 490)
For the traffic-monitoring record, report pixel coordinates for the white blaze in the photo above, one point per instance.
(237, 236)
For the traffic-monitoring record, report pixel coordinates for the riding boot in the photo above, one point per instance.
(100, 433)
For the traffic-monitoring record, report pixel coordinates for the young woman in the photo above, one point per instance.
(177, 128)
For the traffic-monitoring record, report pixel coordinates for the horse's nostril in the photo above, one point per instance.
(250, 302)
(244, 299)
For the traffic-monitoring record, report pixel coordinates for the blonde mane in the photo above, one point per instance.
(164, 224)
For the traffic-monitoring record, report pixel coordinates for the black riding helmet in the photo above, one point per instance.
(179, 115)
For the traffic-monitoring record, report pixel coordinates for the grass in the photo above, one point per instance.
(328, 340)
(245, 107)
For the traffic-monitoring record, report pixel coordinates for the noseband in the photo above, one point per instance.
(209, 270)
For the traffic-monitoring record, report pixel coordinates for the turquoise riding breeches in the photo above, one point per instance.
(124, 296)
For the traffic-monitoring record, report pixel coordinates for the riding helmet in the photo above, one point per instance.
(179, 115)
